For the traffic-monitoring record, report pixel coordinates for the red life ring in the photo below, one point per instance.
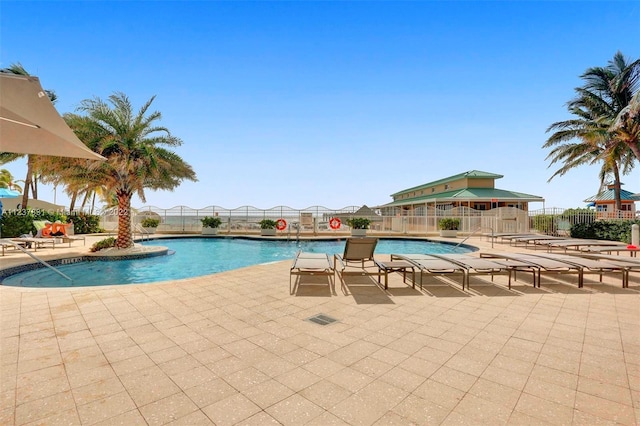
(335, 223)
(281, 224)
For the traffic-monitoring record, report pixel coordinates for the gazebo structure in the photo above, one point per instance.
(364, 212)
(605, 204)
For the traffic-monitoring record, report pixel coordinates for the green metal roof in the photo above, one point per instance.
(609, 195)
(472, 174)
(470, 194)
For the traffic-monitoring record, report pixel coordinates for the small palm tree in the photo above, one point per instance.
(133, 145)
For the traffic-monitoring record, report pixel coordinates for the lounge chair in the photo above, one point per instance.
(69, 235)
(577, 243)
(629, 264)
(431, 265)
(306, 263)
(480, 266)
(46, 229)
(40, 226)
(357, 258)
(36, 242)
(549, 266)
(594, 266)
(7, 243)
(533, 239)
(506, 236)
(611, 249)
(564, 264)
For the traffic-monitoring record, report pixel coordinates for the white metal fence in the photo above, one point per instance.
(316, 220)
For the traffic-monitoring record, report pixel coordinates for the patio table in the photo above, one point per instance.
(396, 266)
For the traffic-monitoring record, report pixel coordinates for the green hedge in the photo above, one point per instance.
(618, 230)
(18, 222)
(85, 223)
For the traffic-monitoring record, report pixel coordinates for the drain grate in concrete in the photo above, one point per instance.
(322, 319)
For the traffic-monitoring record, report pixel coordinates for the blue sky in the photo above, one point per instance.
(332, 103)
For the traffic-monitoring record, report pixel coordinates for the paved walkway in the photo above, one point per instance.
(237, 348)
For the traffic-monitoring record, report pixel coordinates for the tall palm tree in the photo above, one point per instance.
(133, 145)
(626, 126)
(31, 179)
(590, 137)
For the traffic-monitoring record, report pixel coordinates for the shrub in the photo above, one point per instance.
(103, 244)
(268, 224)
(449, 224)
(18, 222)
(14, 224)
(611, 230)
(85, 223)
(149, 222)
(359, 223)
(211, 221)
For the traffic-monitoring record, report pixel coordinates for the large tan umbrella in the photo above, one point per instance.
(30, 124)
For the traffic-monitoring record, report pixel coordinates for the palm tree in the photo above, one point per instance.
(133, 144)
(591, 136)
(6, 181)
(626, 126)
(31, 179)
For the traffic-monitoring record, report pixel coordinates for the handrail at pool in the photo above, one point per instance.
(37, 259)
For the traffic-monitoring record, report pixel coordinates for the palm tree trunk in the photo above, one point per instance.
(72, 202)
(124, 221)
(93, 202)
(34, 186)
(616, 189)
(87, 194)
(27, 183)
(635, 148)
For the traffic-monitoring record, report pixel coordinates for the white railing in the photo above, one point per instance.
(316, 220)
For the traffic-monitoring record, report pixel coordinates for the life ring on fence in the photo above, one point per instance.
(281, 224)
(335, 223)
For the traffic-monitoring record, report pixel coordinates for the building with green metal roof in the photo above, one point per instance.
(605, 204)
(474, 189)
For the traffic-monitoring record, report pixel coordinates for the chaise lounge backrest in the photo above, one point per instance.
(359, 249)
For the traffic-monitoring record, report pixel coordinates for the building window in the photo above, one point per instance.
(601, 207)
(446, 186)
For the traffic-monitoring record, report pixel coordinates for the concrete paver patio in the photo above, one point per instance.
(236, 348)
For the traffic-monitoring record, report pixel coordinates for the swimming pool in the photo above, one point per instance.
(196, 257)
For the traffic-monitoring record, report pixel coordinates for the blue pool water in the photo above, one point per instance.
(195, 257)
